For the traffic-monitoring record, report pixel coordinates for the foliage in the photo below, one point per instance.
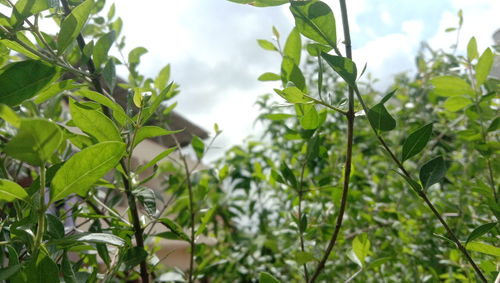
(276, 206)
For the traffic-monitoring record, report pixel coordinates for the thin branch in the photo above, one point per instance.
(347, 168)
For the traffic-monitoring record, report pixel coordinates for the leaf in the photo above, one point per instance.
(156, 159)
(135, 54)
(9, 191)
(198, 146)
(118, 112)
(7, 272)
(99, 238)
(479, 231)
(147, 112)
(345, 67)
(472, 49)
(54, 89)
(147, 198)
(269, 77)
(265, 277)
(310, 118)
(267, 45)
(278, 116)
(378, 262)
(432, 172)
(303, 257)
(456, 103)
(163, 77)
(413, 184)
(23, 80)
(315, 49)
(93, 122)
(134, 256)
(293, 95)
(380, 118)
(290, 72)
(73, 24)
(146, 132)
(483, 66)
(25, 8)
(67, 270)
(35, 142)
(315, 20)
(416, 141)
(288, 175)
(9, 115)
(175, 228)
(293, 46)
(102, 46)
(495, 125)
(483, 248)
(109, 74)
(451, 86)
(361, 247)
(42, 269)
(85, 168)
(204, 221)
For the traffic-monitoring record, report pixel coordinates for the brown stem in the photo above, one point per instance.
(348, 161)
(138, 232)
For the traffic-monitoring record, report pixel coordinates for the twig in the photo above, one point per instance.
(347, 169)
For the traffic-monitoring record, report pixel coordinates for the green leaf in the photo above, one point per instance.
(163, 77)
(147, 112)
(93, 122)
(153, 161)
(310, 118)
(146, 132)
(483, 248)
(147, 198)
(483, 66)
(293, 95)
(495, 125)
(472, 49)
(86, 167)
(72, 25)
(174, 227)
(269, 77)
(345, 67)
(198, 146)
(378, 262)
(267, 45)
(416, 141)
(303, 257)
(361, 247)
(25, 8)
(413, 184)
(204, 221)
(7, 272)
(288, 175)
(265, 277)
(290, 72)
(315, 20)
(278, 116)
(67, 270)
(118, 112)
(101, 49)
(97, 238)
(109, 74)
(134, 256)
(451, 86)
(456, 103)
(9, 115)
(54, 89)
(481, 230)
(293, 46)
(432, 172)
(23, 80)
(315, 49)
(134, 56)
(380, 118)
(42, 269)
(35, 142)
(9, 191)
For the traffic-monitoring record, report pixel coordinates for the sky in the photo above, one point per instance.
(212, 48)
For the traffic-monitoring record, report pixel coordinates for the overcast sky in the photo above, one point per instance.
(211, 45)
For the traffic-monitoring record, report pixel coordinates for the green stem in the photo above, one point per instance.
(348, 161)
(41, 212)
(301, 230)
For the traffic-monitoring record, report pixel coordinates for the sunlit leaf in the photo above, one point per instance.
(35, 142)
(72, 25)
(451, 86)
(293, 95)
(146, 132)
(23, 80)
(345, 67)
(86, 167)
(483, 66)
(456, 103)
(265, 277)
(315, 20)
(9, 191)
